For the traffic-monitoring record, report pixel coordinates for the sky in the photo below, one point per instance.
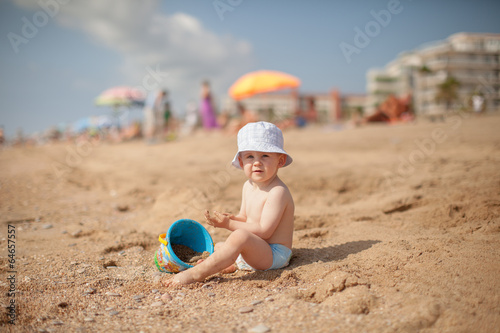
(57, 56)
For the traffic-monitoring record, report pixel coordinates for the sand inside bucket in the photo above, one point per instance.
(188, 255)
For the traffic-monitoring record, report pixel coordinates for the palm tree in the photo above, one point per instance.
(448, 91)
(425, 70)
(421, 92)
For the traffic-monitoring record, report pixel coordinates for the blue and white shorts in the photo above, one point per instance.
(281, 258)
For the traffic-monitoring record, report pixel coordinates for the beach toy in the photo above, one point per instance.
(183, 232)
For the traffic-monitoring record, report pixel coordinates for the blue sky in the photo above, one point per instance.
(51, 74)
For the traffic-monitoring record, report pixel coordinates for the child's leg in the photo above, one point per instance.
(254, 250)
(229, 269)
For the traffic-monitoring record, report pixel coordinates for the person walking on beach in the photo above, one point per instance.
(262, 232)
(167, 115)
(206, 108)
(477, 103)
(154, 115)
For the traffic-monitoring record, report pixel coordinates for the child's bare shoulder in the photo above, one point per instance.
(247, 185)
(280, 189)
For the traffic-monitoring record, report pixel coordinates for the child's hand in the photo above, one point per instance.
(220, 220)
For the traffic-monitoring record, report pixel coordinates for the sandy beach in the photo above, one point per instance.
(397, 229)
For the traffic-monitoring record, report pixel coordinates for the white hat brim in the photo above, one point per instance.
(266, 148)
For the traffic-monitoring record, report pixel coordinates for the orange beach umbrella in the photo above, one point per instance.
(261, 82)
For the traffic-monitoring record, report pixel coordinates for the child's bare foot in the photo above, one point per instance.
(229, 269)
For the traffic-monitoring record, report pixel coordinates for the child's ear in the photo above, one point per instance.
(282, 160)
(240, 161)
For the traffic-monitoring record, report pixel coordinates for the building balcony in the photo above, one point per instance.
(485, 78)
(462, 63)
(477, 79)
(381, 86)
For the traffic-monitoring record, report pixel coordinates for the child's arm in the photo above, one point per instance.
(270, 216)
(220, 220)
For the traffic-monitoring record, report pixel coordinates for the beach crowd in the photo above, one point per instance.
(159, 123)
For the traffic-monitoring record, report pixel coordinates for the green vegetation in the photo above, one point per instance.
(448, 91)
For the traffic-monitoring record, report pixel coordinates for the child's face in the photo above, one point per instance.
(260, 166)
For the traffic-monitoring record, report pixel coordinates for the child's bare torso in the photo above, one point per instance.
(255, 202)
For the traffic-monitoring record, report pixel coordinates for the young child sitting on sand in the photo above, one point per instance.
(262, 232)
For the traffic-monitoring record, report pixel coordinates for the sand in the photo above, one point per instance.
(188, 255)
(397, 230)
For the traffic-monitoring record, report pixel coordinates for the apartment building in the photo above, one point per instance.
(397, 78)
(471, 60)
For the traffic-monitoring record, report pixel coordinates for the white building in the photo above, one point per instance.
(473, 59)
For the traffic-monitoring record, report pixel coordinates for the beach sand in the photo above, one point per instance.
(397, 229)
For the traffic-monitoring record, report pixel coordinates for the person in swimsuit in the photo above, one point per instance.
(262, 232)
(208, 116)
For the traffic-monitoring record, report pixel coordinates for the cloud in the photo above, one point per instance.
(147, 39)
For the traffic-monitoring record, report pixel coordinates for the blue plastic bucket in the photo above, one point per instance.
(182, 232)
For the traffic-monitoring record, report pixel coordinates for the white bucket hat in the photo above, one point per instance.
(261, 136)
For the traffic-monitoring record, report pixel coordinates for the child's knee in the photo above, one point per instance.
(239, 236)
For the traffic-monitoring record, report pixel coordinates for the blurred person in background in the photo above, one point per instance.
(207, 111)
